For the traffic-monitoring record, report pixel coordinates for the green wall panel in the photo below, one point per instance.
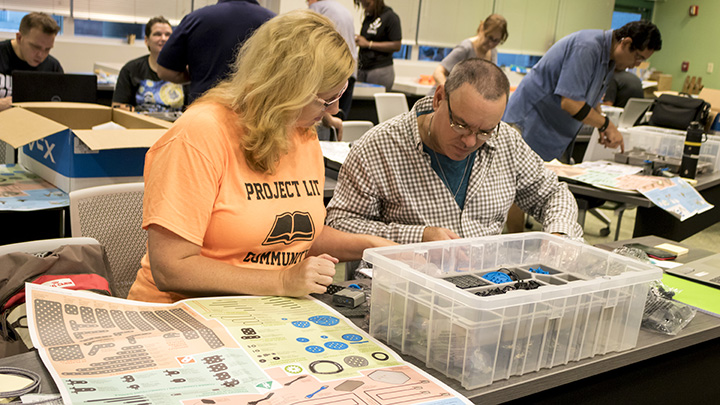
(692, 39)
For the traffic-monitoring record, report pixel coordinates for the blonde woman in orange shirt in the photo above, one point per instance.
(234, 190)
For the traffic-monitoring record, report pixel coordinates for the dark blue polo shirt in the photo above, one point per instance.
(207, 40)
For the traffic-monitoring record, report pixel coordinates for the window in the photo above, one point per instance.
(10, 20)
(118, 19)
(107, 29)
(433, 53)
(404, 52)
(621, 18)
(517, 60)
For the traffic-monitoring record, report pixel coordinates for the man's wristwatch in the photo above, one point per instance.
(605, 125)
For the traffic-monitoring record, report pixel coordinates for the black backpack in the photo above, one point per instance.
(677, 112)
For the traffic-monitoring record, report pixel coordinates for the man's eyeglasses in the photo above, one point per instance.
(328, 103)
(639, 57)
(464, 130)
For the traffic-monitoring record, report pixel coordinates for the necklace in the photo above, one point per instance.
(442, 172)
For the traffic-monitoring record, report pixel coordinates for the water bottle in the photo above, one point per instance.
(691, 150)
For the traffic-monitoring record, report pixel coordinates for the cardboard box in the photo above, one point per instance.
(712, 96)
(664, 81)
(59, 145)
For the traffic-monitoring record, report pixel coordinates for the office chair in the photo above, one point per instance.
(389, 105)
(7, 153)
(37, 247)
(353, 130)
(112, 214)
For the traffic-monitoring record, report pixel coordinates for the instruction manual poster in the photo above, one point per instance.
(674, 195)
(225, 350)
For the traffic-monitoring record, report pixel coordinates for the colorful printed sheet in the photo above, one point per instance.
(674, 195)
(21, 190)
(248, 350)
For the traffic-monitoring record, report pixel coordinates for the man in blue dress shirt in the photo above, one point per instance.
(564, 89)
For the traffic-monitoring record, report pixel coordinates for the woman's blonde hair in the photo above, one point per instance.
(279, 70)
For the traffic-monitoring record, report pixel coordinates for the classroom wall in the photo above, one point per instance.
(78, 54)
(692, 39)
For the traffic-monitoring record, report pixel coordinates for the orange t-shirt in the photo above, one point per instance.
(198, 185)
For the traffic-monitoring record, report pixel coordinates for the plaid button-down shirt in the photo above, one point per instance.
(386, 186)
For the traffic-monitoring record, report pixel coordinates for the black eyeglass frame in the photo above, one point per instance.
(464, 130)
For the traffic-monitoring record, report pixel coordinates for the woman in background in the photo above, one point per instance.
(491, 33)
(380, 36)
(234, 190)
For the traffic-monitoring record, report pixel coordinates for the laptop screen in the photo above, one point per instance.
(52, 86)
(634, 110)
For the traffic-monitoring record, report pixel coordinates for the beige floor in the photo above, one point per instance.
(709, 239)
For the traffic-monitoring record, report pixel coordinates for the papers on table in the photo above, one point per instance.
(674, 195)
(21, 190)
(242, 349)
(335, 151)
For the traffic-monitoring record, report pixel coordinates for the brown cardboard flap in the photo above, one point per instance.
(119, 139)
(712, 96)
(132, 120)
(63, 105)
(19, 126)
(72, 115)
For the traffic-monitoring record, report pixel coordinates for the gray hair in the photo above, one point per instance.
(488, 79)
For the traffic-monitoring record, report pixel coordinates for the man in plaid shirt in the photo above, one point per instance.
(449, 168)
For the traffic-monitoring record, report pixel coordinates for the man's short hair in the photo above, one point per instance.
(488, 79)
(644, 35)
(41, 21)
(155, 20)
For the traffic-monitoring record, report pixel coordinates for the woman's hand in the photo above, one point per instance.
(361, 41)
(312, 275)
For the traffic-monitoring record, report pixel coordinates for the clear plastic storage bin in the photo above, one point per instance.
(670, 142)
(425, 302)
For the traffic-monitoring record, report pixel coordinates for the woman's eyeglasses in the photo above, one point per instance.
(328, 103)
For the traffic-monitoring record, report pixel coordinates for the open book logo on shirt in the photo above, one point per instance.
(291, 227)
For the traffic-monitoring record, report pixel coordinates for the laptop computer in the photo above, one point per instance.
(705, 270)
(634, 111)
(52, 86)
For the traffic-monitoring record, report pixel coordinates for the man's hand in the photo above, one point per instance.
(312, 275)
(432, 233)
(5, 103)
(612, 138)
(173, 75)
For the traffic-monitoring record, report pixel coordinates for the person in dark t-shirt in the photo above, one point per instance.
(624, 86)
(380, 36)
(30, 50)
(205, 42)
(138, 87)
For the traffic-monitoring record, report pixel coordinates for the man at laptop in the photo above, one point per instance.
(30, 50)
